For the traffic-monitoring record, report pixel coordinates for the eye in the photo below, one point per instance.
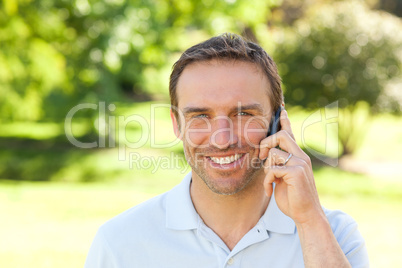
(200, 116)
(243, 114)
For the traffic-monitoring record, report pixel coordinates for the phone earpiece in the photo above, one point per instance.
(275, 124)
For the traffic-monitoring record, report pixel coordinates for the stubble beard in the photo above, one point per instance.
(228, 186)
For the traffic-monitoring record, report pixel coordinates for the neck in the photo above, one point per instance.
(230, 216)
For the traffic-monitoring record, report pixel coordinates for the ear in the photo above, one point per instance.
(175, 123)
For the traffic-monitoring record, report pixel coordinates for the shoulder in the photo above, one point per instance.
(348, 236)
(339, 219)
(130, 238)
(342, 224)
(137, 219)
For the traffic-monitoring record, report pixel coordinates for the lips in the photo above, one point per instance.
(226, 159)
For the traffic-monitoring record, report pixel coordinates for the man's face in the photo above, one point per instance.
(226, 113)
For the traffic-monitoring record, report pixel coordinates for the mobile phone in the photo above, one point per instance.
(275, 124)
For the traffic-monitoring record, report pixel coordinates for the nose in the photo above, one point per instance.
(223, 135)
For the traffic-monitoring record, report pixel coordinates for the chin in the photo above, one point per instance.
(227, 184)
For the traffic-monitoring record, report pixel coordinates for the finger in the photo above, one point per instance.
(268, 187)
(284, 141)
(284, 173)
(264, 150)
(275, 175)
(285, 124)
(277, 157)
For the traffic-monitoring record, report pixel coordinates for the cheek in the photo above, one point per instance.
(197, 134)
(253, 133)
(195, 138)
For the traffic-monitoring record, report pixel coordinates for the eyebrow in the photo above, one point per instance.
(257, 107)
(189, 110)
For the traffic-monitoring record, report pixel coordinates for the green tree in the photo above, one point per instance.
(55, 54)
(342, 52)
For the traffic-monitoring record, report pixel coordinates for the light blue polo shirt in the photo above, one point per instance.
(167, 232)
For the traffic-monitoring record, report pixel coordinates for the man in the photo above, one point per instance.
(250, 200)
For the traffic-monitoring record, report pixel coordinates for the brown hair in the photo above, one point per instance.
(228, 46)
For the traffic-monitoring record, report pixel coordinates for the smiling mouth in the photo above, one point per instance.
(225, 160)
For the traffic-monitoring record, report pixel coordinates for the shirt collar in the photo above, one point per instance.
(180, 211)
(181, 214)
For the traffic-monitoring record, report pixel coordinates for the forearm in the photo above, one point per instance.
(319, 245)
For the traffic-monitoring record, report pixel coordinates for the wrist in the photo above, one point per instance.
(319, 244)
(315, 222)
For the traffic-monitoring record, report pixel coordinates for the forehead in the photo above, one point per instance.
(219, 83)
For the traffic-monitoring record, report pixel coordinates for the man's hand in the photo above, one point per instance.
(295, 190)
(297, 197)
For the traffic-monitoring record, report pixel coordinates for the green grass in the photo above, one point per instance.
(52, 224)
(374, 204)
(380, 140)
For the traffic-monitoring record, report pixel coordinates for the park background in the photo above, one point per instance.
(341, 67)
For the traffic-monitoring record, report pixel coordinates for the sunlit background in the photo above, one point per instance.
(85, 131)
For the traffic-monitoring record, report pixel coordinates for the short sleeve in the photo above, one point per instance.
(100, 255)
(349, 238)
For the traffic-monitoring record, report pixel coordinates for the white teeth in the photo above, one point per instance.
(226, 160)
(232, 158)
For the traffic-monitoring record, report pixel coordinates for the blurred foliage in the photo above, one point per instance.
(55, 54)
(342, 53)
